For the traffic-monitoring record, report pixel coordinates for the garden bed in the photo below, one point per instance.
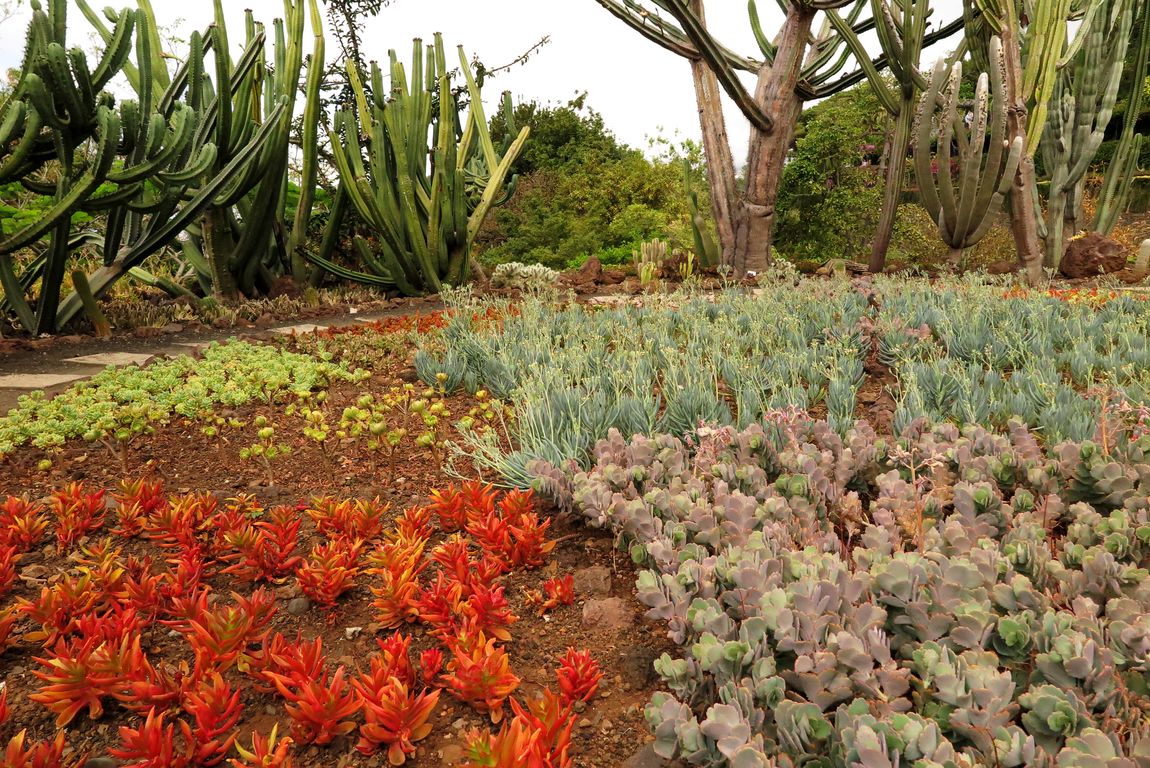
(742, 449)
(203, 455)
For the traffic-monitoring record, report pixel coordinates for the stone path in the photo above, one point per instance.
(58, 367)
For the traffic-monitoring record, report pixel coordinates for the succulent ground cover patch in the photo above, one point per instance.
(964, 351)
(960, 584)
(951, 597)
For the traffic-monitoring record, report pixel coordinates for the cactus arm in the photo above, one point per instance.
(311, 119)
(204, 162)
(654, 29)
(767, 48)
(14, 294)
(405, 187)
(349, 274)
(1116, 183)
(970, 191)
(922, 160)
(495, 183)
(478, 118)
(11, 166)
(1041, 70)
(117, 47)
(995, 200)
(888, 99)
(1080, 35)
(223, 104)
(68, 201)
(358, 190)
(711, 52)
(171, 143)
(949, 212)
(100, 324)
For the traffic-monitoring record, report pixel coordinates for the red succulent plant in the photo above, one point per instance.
(479, 673)
(78, 512)
(329, 571)
(395, 718)
(578, 675)
(266, 752)
(320, 708)
(22, 523)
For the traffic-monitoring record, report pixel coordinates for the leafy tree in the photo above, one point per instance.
(832, 187)
(568, 135)
(581, 192)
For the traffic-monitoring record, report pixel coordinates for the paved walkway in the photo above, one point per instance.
(58, 366)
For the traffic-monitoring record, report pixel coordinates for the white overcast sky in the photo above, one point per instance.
(640, 89)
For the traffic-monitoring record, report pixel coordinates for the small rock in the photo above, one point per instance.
(646, 758)
(579, 706)
(14, 671)
(34, 572)
(584, 723)
(171, 328)
(298, 606)
(594, 581)
(458, 724)
(609, 613)
(288, 591)
(352, 632)
(608, 725)
(451, 753)
(638, 665)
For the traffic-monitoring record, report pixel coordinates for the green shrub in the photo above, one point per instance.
(832, 188)
(582, 193)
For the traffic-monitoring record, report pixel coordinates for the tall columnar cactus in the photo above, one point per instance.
(240, 237)
(1084, 98)
(57, 107)
(1115, 193)
(985, 168)
(186, 154)
(231, 204)
(901, 26)
(807, 59)
(429, 178)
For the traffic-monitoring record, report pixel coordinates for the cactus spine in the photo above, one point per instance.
(965, 213)
(429, 179)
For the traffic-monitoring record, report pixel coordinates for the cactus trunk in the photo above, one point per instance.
(777, 92)
(717, 149)
(893, 183)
